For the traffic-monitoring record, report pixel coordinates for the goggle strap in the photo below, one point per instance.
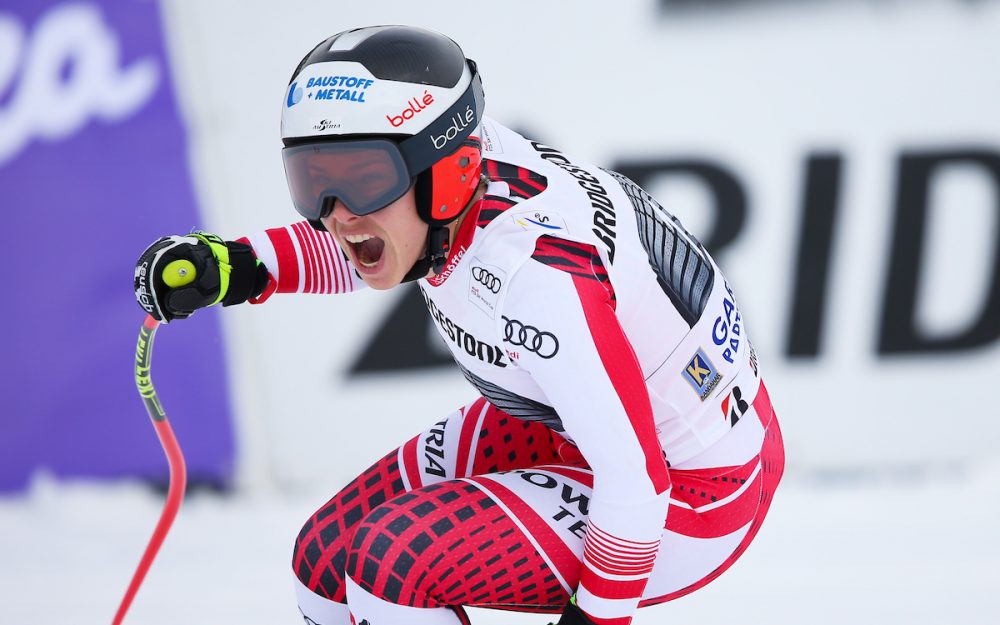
(438, 247)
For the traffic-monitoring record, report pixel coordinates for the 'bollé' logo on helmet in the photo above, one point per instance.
(459, 122)
(413, 106)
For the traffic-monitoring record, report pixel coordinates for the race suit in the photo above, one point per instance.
(624, 449)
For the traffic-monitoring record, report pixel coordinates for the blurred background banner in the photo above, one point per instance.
(93, 167)
(841, 160)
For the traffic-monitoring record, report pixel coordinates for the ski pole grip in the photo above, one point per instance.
(179, 273)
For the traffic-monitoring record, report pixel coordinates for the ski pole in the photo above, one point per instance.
(177, 273)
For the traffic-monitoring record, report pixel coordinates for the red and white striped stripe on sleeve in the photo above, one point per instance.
(615, 572)
(301, 259)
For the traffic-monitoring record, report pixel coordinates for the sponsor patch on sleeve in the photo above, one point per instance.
(539, 220)
(702, 375)
(485, 282)
(490, 138)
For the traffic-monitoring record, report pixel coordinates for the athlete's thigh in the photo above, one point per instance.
(515, 538)
(512, 539)
(713, 516)
(475, 438)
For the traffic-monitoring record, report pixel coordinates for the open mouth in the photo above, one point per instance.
(367, 248)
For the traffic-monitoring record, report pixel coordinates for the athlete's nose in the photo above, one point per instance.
(338, 214)
(341, 214)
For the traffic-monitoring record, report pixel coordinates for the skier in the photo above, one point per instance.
(624, 451)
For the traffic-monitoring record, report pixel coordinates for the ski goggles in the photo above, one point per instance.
(367, 174)
(364, 175)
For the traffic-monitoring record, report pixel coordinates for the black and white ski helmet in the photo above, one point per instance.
(412, 86)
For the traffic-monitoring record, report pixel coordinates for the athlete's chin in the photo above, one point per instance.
(381, 284)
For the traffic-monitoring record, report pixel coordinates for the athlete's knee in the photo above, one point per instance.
(320, 552)
(394, 553)
(380, 559)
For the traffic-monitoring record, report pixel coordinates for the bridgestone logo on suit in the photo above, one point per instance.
(487, 279)
(545, 344)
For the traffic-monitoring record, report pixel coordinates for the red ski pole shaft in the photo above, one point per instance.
(175, 459)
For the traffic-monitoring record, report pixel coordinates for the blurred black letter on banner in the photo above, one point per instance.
(820, 200)
(899, 334)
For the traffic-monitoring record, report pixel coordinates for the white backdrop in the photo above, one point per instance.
(755, 92)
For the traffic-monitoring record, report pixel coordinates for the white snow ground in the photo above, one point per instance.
(913, 547)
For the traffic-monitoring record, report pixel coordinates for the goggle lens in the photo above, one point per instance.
(364, 175)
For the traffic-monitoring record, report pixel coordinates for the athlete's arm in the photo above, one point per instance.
(300, 259)
(587, 369)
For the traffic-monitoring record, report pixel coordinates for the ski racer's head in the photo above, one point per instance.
(377, 125)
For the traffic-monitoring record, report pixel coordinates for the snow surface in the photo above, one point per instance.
(910, 546)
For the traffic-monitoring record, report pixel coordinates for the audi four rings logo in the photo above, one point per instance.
(545, 344)
(486, 279)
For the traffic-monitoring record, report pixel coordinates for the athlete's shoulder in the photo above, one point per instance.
(500, 142)
(536, 246)
(503, 145)
(535, 188)
(517, 217)
(531, 216)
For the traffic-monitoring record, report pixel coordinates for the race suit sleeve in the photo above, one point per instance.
(595, 383)
(301, 259)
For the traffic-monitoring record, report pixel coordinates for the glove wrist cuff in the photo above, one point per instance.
(248, 276)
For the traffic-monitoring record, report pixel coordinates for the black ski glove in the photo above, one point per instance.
(177, 275)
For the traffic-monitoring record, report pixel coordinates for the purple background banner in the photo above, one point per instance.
(93, 167)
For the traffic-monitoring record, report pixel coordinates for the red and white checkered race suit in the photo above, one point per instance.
(625, 450)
